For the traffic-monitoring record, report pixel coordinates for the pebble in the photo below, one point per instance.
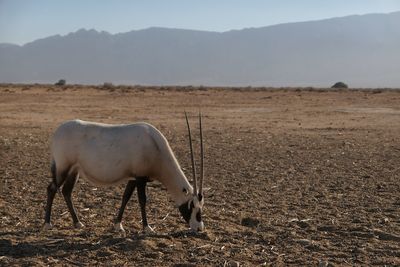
(250, 222)
(304, 242)
(325, 264)
(233, 264)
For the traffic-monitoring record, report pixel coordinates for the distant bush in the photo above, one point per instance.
(61, 82)
(108, 85)
(340, 85)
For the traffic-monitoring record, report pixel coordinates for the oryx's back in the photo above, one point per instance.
(105, 153)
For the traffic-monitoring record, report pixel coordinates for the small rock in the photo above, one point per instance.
(325, 264)
(356, 220)
(250, 222)
(304, 242)
(303, 224)
(386, 236)
(359, 250)
(233, 264)
(383, 221)
(326, 228)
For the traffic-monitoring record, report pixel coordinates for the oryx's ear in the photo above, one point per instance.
(185, 191)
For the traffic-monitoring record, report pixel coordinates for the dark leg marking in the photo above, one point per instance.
(52, 190)
(141, 184)
(130, 187)
(67, 193)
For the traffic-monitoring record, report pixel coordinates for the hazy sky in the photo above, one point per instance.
(23, 21)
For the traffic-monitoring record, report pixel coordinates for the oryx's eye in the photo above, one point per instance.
(200, 196)
(184, 190)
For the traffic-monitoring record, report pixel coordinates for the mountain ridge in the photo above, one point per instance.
(207, 31)
(362, 50)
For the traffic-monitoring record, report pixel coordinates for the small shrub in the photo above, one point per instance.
(108, 85)
(61, 82)
(340, 85)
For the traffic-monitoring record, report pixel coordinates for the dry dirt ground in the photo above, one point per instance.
(293, 177)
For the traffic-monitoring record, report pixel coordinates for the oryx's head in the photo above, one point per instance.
(191, 210)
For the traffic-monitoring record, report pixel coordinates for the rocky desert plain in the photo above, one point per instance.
(293, 177)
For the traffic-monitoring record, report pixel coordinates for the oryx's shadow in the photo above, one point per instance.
(60, 245)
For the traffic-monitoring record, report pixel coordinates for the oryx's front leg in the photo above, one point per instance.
(141, 184)
(130, 187)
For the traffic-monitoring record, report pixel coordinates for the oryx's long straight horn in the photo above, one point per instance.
(201, 156)
(192, 157)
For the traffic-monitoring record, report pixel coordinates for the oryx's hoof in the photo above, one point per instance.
(148, 230)
(79, 225)
(119, 228)
(47, 226)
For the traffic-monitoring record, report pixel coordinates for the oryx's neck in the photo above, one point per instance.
(175, 181)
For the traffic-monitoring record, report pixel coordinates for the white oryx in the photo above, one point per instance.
(111, 154)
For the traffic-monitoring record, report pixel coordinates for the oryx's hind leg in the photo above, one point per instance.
(67, 193)
(130, 187)
(141, 185)
(58, 180)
